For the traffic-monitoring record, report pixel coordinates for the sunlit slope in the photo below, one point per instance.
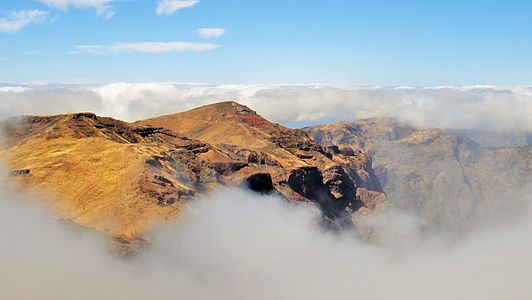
(102, 173)
(234, 124)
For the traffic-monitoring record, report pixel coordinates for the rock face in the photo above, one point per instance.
(444, 177)
(123, 178)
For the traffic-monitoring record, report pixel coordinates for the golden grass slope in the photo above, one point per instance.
(95, 170)
(88, 179)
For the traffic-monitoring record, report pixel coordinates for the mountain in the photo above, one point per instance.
(446, 178)
(231, 126)
(124, 178)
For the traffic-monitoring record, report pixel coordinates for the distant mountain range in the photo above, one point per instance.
(448, 178)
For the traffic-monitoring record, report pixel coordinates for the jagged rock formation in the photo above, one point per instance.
(123, 178)
(445, 177)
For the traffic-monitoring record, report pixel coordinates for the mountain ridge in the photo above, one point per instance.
(124, 178)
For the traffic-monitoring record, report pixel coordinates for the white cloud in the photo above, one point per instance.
(210, 33)
(105, 12)
(238, 245)
(168, 7)
(17, 20)
(13, 89)
(491, 108)
(103, 7)
(147, 47)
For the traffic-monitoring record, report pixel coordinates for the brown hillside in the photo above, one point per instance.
(107, 174)
(123, 178)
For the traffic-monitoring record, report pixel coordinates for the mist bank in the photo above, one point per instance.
(477, 107)
(235, 244)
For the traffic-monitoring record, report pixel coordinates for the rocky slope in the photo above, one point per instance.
(124, 178)
(445, 177)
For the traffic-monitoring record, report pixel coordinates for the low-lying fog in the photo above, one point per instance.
(238, 245)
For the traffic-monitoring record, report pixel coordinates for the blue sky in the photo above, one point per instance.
(417, 43)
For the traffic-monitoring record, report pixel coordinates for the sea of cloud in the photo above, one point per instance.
(475, 107)
(235, 244)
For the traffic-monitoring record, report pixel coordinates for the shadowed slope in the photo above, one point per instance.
(446, 178)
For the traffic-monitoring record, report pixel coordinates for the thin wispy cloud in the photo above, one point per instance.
(168, 7)
(17, 20)
(103, 7)
(210, 33)
(146, 47)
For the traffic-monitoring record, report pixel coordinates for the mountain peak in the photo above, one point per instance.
(230, 103)
(221, 123)
(222, 110)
